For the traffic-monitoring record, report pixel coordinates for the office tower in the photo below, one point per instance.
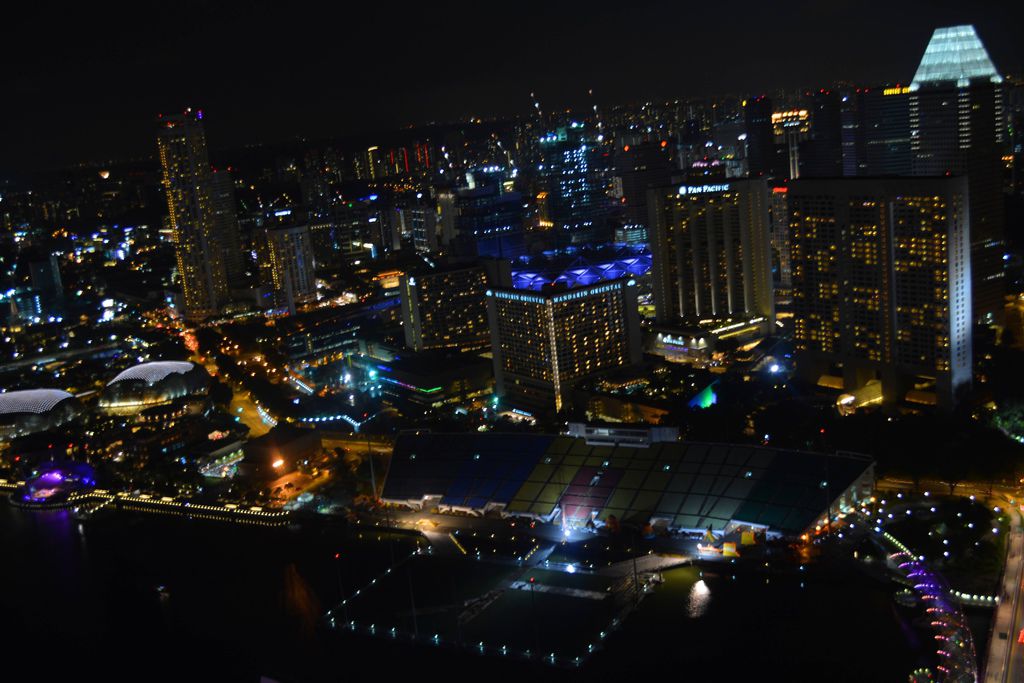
(322, 171)
(325, 240)
(285, 257)
(792, 128)
(762, 152)
(637, 168)
(418, 221)
(572, 172)
(881, 285)
(711, 251)
(224, 215)
(544, 342)
(482, 221)
(821, 154)
(359, 228)
(957, 127)
(44, 300)
(884, 130)
(200, 214)
(374, 163)
(445, 308)
(45, 276)
(779, 211)
(1015, 134)
(852, 135)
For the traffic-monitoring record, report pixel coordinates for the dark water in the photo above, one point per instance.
(81, 602)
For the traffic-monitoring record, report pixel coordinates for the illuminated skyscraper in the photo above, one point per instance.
(780, 240)
(792, 129)
(482, 221)
(881, 285)
(957, 127)
(445, 308)
(543, 342)
(201, 212)
(285, 257)
(418, 220)
(711, 250)
(572, 172)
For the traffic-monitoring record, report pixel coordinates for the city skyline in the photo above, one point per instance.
(276, 81)
(552, 343)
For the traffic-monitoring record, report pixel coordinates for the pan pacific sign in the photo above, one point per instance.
(685, 190)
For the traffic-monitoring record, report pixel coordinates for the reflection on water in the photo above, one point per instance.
(300, 601)
(700, 598)
(153, 598)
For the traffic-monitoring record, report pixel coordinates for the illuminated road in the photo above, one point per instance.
(244, 409)
(354, 442)
(962, 489)
(242, 406)
(1005, 661)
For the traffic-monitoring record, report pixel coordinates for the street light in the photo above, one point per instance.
(533, 616)
(341, 587)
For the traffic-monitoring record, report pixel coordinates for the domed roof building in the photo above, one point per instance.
(35, 410)
(151, 384)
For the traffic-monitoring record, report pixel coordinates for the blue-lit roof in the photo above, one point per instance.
(955, 53)
(467, 470)
(585, 269)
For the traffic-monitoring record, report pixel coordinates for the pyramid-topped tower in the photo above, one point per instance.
(955, 54)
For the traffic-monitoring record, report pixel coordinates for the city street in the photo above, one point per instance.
(245, 410)
(1005, 661)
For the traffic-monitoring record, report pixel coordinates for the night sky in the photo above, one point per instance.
(85, 83)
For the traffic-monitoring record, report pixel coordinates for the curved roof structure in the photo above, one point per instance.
(586, 269)
(153, 372)
(31, 401)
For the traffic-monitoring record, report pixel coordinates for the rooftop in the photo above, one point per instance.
(581, 266)
(955, 53)
(690, 485)
(31, 400)
(153, 372)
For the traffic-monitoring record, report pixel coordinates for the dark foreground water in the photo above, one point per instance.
(81, 603)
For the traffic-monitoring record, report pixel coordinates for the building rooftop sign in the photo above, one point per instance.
(703, 189)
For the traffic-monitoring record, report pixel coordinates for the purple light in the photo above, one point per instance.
(52, 477)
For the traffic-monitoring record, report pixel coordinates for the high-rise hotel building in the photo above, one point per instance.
(957, 127)
(882, 285)
(205, 230)
(711, 249)
(544, 342)
(445, 307)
